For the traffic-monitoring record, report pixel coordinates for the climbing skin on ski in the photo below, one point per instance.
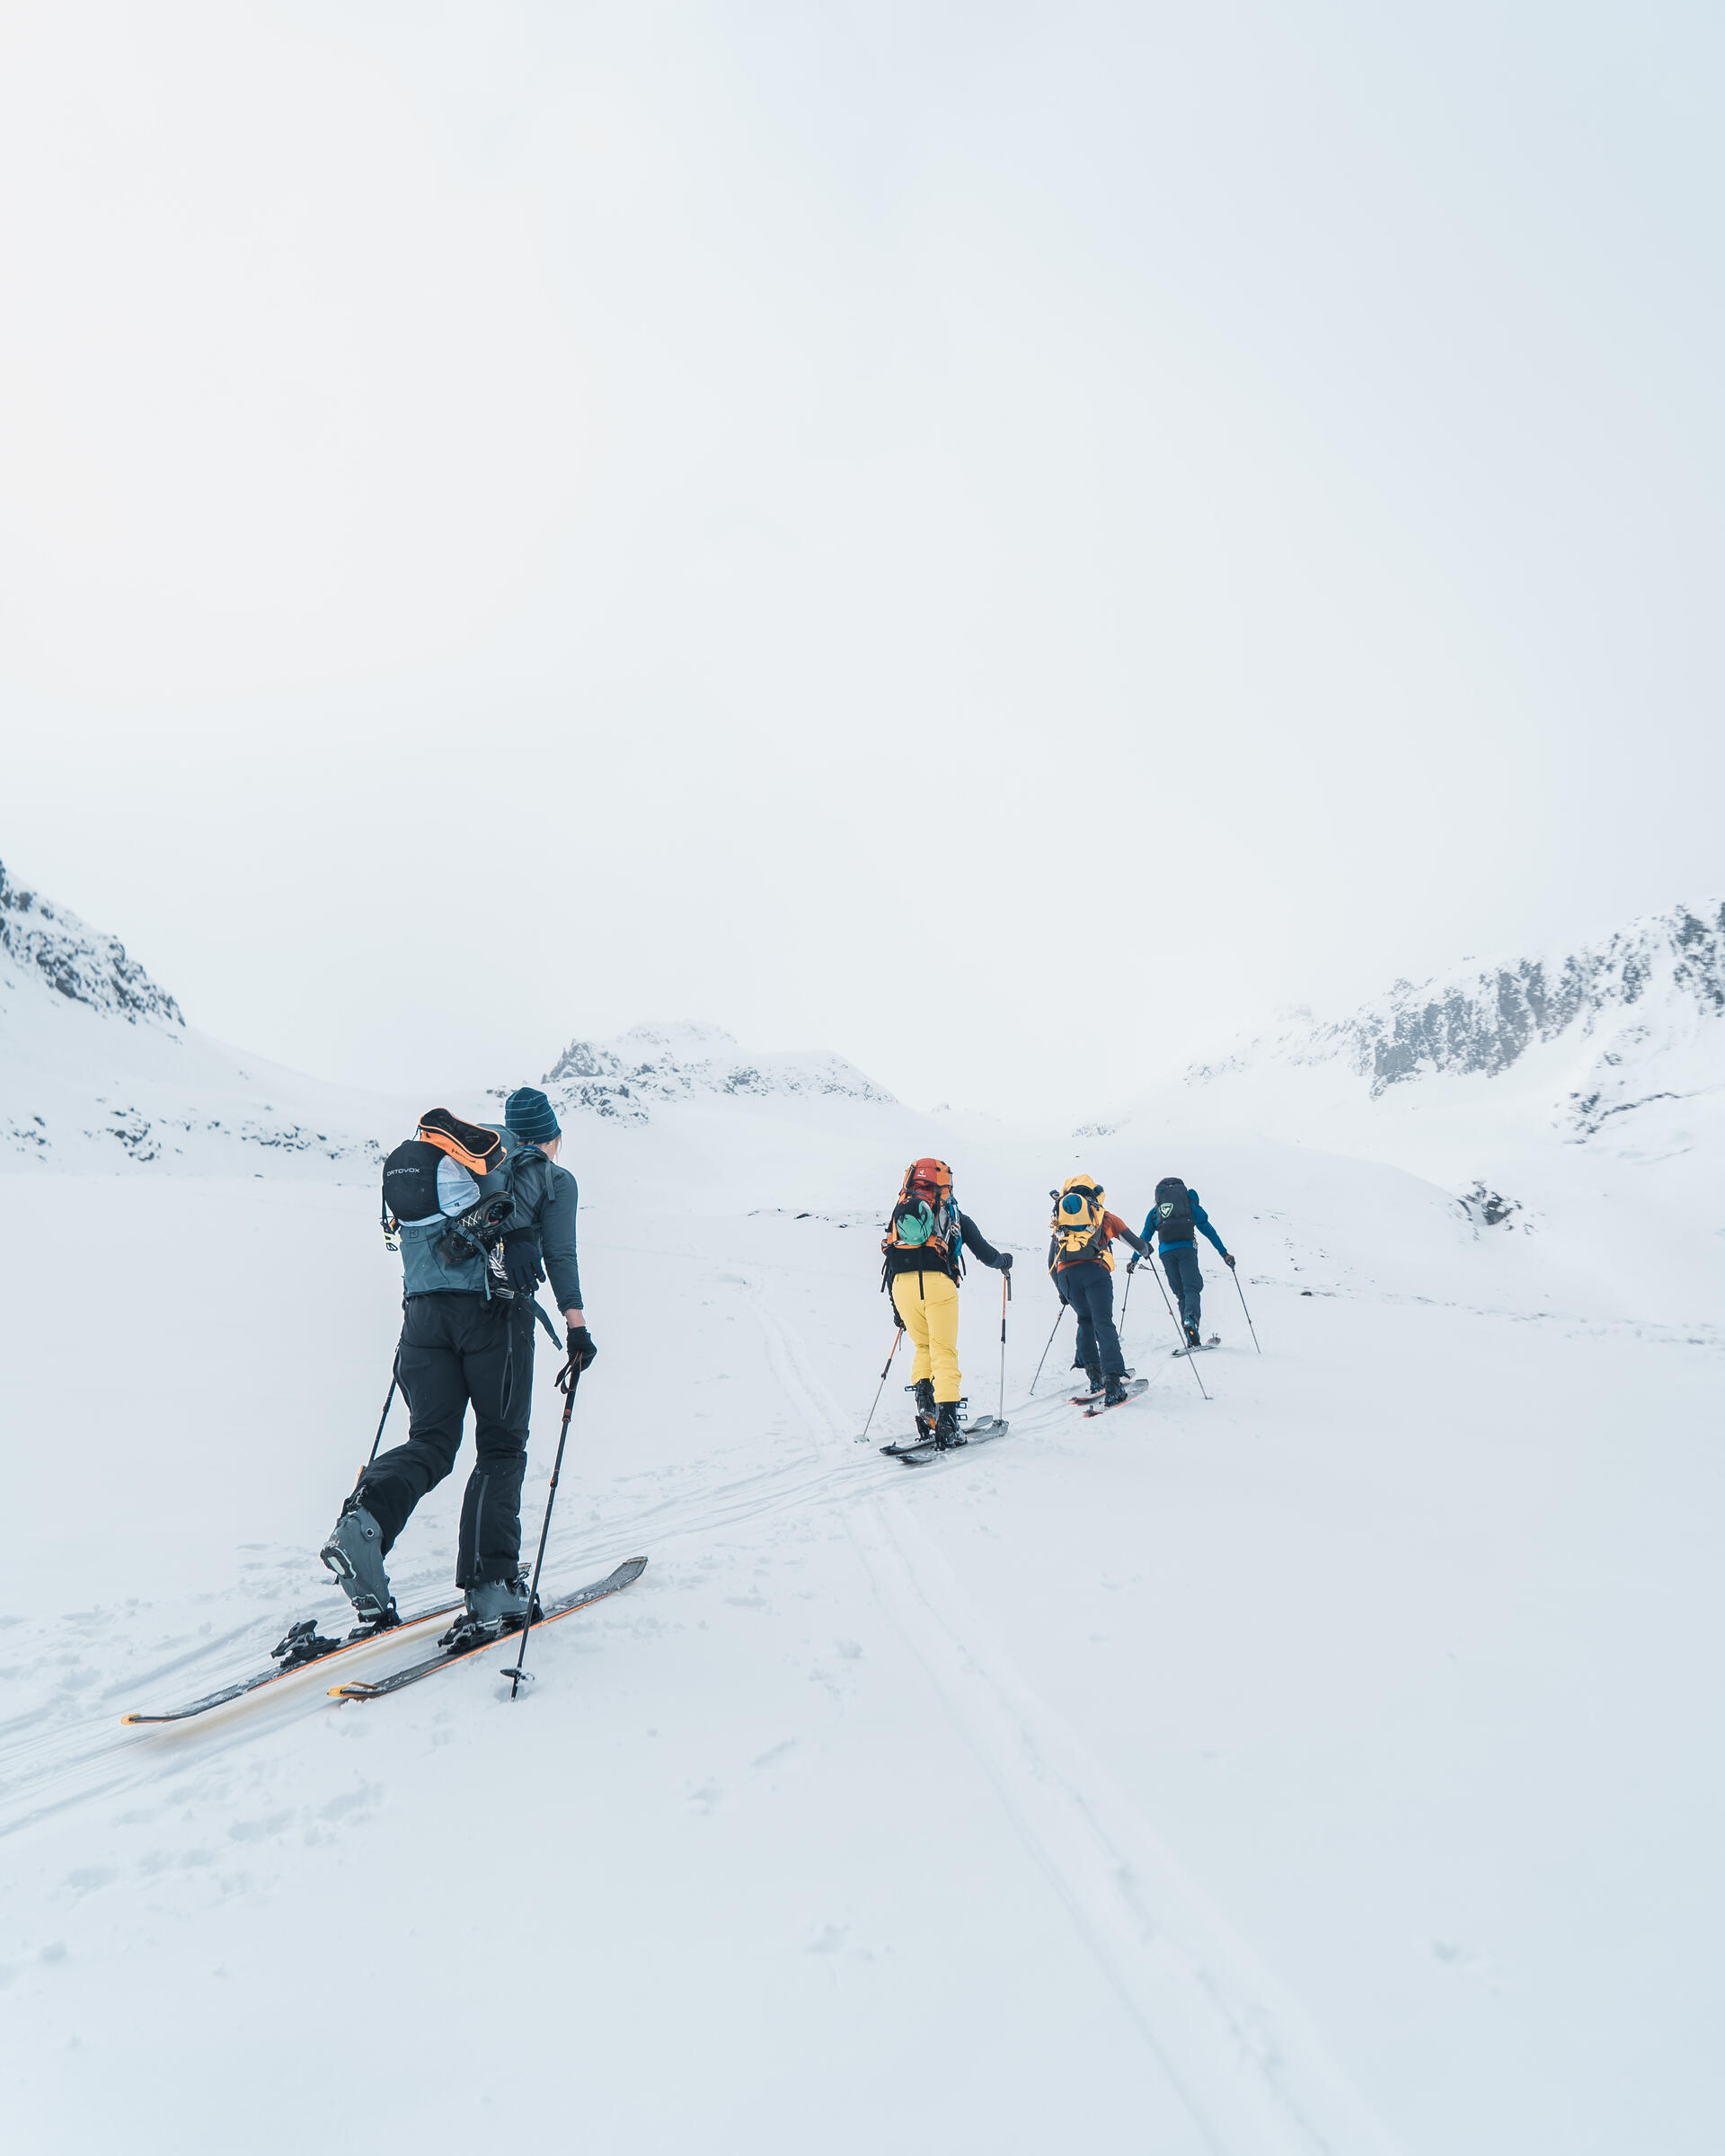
(564, 1605)
(1130, 1390)
(298, 1650)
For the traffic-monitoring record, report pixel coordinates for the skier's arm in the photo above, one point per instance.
(556, 1225)
(979, 1245)
(1201, 1220)
(1118, 1230)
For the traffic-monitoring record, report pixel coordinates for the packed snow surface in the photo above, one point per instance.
(1330, 1763)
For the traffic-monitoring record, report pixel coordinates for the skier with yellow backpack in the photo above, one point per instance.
(924, 1262)
(1082, 1267)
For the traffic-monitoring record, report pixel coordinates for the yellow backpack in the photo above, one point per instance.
(1078, 1229)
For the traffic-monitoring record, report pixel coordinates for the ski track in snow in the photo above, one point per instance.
(80, 1757)
(1240, 2055)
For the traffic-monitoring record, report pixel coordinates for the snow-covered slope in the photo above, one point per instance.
(1583, 1090)
(1598, 1033)
(1315, 1764)
(99, 1069)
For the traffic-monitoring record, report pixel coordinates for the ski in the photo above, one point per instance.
(323, 1652)
(566, 1606)
(925, 1454)
(1203, 1347)
(1100, 1407)
(1083, 1399)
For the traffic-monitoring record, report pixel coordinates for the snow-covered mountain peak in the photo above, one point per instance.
(47, 946)
(686, 1060)
(1651, 995)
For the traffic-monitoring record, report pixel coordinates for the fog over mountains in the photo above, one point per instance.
(102, 1070)
(1615, 1046)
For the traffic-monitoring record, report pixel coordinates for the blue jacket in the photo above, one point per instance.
(1200, 1219)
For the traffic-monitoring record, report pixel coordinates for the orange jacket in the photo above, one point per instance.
(1112, 1226)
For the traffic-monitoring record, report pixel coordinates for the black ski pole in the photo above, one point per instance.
(1125, 1299)
(1045, 1352)
(389, 1402)
(1180, 1334)
(1005, 1297)
(1241, 1291)
(569, 1377)
(882, 1387)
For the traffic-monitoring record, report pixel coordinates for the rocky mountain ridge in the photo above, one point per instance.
(623, 1078)
(48, 944)
(1635, 1017)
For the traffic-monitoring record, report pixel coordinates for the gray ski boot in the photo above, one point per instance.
(354, 1553)
(494, 1607)
(922, 1392)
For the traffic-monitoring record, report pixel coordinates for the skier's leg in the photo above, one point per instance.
(1091, 1288)
(497, 1363)
(429, 1364)
(1086, 1349)
(912, 1306)
(1190, 1283)
(942, 1306)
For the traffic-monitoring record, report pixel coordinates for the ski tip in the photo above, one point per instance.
(631, 1570)
(128, 1721)
(352, 1692)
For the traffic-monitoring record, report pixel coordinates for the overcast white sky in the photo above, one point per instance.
(1006, 541)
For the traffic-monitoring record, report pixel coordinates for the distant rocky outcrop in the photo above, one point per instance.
(52, 947)
(623, 1078)
(1640, 1009)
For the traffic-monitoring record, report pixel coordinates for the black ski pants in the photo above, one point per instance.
(1090, 1289)
(1180, 1265)
(455, 1349)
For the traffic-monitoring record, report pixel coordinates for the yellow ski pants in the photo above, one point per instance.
(928, 1306)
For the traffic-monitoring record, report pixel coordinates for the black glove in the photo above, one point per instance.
(1131, 1264)
(1005, 1262)
(581, 1349)
(1227, 1259)
(521, 1260)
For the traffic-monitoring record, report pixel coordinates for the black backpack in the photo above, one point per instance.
(1173, 1210)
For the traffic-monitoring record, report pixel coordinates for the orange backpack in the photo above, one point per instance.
(925, 1216)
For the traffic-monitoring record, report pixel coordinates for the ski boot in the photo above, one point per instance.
(493, 1608)
(354, 1553)
(946, 1432)
(923, 1392)
(1093, 1380)
(1192, 1339)
(1115, 1393)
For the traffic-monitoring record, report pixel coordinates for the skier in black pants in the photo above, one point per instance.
(1174, 1216)
(1082, 1263)
(467, 1337)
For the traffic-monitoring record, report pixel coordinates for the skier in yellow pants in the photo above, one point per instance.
(923, 1244)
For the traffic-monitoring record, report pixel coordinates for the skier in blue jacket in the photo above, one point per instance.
(1176, 1218)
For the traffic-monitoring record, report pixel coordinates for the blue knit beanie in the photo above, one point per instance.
(528, 1115)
